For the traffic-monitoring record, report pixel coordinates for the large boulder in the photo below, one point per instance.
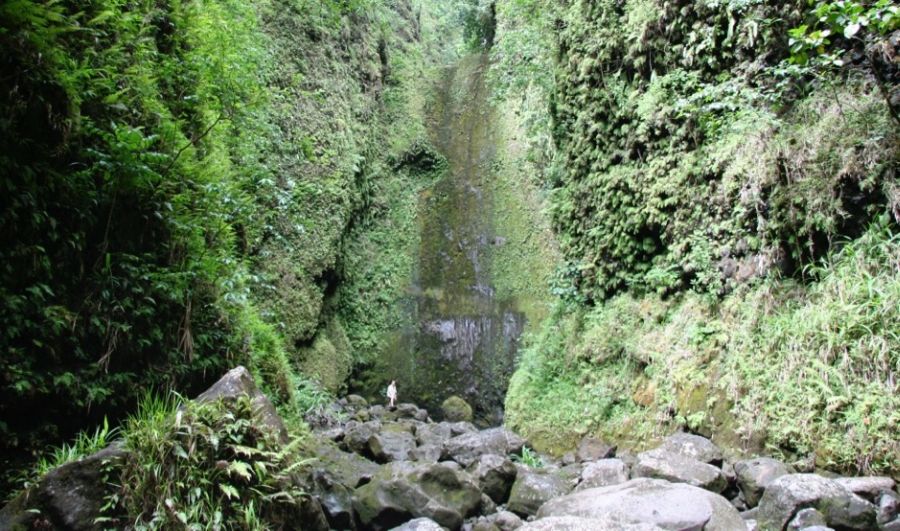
(349, 469)
(754, 475)
(693, 446)
(336, 500)
(787, 495)
(868, 487)
(427, 453)
(495, 474)
(603, 473)
(592, 449)
(679, 468)
(436, 434)
(410, 411)
(403, 490)
(238, 382)
(68, 497)
(577, 523)
(533, 488)
(393, 443)
(357, 435)
(455, 409)
(675, 506)
(467, 448)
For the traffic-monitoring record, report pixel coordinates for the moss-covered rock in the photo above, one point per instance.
(455, 409)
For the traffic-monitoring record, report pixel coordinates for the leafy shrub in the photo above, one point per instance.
(204, 466)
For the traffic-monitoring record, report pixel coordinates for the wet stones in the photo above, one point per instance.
(754, 475)
(664, 464)
(467, 448)
(787, 495)
(495, 475)
(603, 473)
(533, 488)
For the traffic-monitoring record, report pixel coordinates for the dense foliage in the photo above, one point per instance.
(178, 182)
(693, 154)
(715, 170)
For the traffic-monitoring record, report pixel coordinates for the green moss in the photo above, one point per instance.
(800, 371)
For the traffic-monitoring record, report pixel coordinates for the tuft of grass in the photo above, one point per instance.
(84, 444)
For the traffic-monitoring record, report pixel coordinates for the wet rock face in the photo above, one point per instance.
(462, 338)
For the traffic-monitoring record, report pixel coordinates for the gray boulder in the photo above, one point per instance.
(403, 490)
(68, 497)
(336, 500)
(460, 428)
(357, 435)
(495, 475)
(427, 453)
(238, 382)
(787, 495)
(888, 507)
(392, 443)
(675, 506)
(349, 469)
(754, 475)
(533, 488)
(603, 473)
(693, 446)
(577, 523)
(467, 448)
(436, 434)
(591, 449)
(420, 524)
(869, 487)
(679, 468)
(410, 411)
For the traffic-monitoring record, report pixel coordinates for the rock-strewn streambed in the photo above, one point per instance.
(379, 468)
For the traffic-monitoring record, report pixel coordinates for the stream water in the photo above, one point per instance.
(464, 340)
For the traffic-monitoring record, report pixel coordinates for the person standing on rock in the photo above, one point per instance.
(392, 392)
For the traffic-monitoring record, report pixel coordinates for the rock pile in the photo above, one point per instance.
(378, 469)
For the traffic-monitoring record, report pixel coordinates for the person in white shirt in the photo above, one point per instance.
(392, 392)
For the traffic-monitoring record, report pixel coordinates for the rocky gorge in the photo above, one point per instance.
(372, 467)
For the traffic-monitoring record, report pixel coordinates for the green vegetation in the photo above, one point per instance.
(781, 367)
(181, 181)
(710, 189)
(207, 465)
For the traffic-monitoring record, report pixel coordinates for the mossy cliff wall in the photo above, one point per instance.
(699, 180)
(481, 275)
(183, 183)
